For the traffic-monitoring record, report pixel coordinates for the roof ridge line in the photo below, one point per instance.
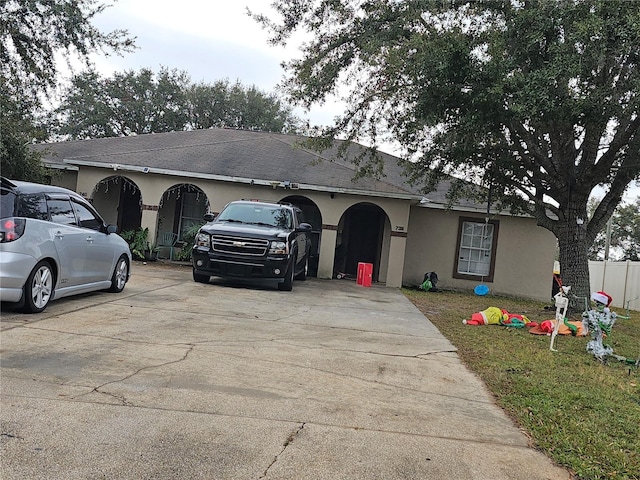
(155, 149)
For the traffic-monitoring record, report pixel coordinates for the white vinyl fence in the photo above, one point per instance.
(621, 280)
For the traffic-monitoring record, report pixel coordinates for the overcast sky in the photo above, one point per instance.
(210, 40)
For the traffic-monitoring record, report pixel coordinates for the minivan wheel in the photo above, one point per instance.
(120, 275)
(38, 290)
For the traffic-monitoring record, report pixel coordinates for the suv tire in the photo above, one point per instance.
(38, 289)
(200, 278)
(287, 285)
(305, 270)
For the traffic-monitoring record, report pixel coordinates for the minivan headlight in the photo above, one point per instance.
(278, 248)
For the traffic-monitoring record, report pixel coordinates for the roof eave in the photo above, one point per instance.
(60, 166)
(425, 203)
(250, 181)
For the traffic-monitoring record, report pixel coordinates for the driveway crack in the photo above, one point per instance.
(292, 436)
(122, 398)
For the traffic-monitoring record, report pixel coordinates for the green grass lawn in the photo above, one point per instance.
(582, 413)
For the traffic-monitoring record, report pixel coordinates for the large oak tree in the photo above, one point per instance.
(128, 103)
(538, 99)
(32, 33)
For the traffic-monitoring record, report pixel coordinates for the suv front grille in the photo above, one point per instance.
(239, 245)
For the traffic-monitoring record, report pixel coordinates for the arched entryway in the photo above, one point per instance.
(360, 238)
(181, 211)
(119, 201)
(312, 215)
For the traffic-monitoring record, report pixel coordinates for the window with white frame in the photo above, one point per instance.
(477, 240)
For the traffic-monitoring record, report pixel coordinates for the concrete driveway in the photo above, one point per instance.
(178, 380)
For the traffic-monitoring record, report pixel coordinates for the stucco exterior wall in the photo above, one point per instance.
(332, 207)
(65, 178)
(524, 253)
(415, 239)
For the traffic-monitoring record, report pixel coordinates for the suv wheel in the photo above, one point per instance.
(305, 271)
(200, 278)
(38, 290)
(287, 285)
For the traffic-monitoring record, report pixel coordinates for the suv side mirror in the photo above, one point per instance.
(112, 229)
(304, 227)
(209, 217)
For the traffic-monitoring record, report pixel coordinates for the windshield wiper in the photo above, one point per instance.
(262, 224)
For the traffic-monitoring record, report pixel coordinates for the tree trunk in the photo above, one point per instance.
(574, 263)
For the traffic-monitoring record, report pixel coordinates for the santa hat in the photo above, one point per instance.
(601, 297)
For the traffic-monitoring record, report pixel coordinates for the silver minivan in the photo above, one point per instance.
(54, 244)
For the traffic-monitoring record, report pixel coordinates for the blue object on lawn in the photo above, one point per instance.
(481, 290)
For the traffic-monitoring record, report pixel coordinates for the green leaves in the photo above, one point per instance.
(141, 102)
(129, 103)
(138, 241)
(625, 234)
(32, 33)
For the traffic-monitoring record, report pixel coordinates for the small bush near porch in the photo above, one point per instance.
(583, 414)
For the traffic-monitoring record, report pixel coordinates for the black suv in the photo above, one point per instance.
(253, 240)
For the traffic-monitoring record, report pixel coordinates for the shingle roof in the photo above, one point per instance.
(241, 154)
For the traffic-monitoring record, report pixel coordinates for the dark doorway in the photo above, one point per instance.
(361, 239)
(119, 201)
(129, 212)
(311, 214)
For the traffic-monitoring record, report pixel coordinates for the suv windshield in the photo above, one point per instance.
(257, 214)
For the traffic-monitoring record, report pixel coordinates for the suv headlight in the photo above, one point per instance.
(278, 248)
(203, 240)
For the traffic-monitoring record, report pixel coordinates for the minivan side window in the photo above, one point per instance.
(61, 212)
(32, 206)
(7, 200)
(86, 218)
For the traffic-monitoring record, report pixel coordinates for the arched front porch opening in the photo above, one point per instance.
(119, 201)
(312, 215)
(180, 215)
(361, 238)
